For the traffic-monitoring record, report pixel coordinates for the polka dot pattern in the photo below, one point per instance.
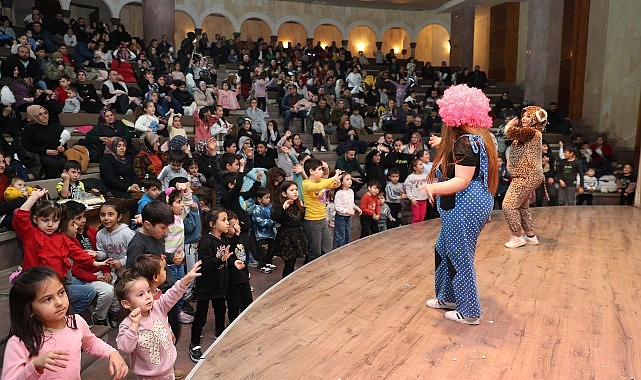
(456, 243)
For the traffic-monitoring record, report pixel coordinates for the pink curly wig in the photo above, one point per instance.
(463, 105)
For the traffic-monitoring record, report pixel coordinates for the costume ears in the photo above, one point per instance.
(542, 116)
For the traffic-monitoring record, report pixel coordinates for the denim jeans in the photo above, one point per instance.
(80, 294)
(342, 225)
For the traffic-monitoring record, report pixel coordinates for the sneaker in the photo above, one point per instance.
(195, 353)
(112, 319)
(253, 264)
(323, 149)
(438, 304)
(531, 240)
(185, 318)
(179, 374)
(271, 266)
(99, 322)
(188, 309)
(455, 316)
(314, 149)
(266, 269)
(515, 242)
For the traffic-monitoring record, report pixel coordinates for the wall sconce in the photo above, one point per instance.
(360, 46)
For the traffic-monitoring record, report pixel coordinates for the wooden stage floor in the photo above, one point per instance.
(569, 308)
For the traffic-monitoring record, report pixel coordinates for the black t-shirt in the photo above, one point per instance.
(464, 156)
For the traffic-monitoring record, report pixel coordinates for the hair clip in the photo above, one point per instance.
(169, 190)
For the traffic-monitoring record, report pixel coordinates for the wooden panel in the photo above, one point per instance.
(566, 309)
(573, 56)
(504, 41)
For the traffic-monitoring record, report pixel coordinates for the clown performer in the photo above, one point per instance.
(465, 167)
(525, 167)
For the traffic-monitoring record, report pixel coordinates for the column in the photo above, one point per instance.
(344, 43)
(543, 52)
(159, 17)
(462, 38)
(115, 21)
(413, 49)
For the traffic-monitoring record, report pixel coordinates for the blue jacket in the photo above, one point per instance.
(262, 222)
(193, 223)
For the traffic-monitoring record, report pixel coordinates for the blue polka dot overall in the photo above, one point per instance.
(455, 275)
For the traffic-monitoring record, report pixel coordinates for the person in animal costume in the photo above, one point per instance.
(525, 167)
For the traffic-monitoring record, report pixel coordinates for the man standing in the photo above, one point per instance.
(287, 106)
(348, 163)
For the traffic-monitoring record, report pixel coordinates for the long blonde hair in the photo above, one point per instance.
(445, 152)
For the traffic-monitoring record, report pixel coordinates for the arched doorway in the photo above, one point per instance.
(432, 44)
(131, 17)
(184, 24)
(397, 39)
(362, 38)
(327, 34)
(253, 29)
(292, 32)
(217, 24)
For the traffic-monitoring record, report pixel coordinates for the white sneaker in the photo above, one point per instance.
(323, 149)
(531, 240)
(185, 318)
(438, 304)
(515, 242)
(314, 149)
(454, 315)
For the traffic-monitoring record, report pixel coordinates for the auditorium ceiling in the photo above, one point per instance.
(410, 5)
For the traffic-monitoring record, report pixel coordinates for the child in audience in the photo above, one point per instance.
(144, 334)
(195, 178)
(627, 185)
(590, 186)
(111, 243)
(49, 342)
(98, 278)
(175, 167)
(239, 293)
(288, 211)
(566, 175)
(152, 189)
(504, 183)
(264, 229)
(386, 214)
(413, 185)
(370, 209)
(17, 189)
(394, 194)
(71, 183)
(175, 125)
(36, 224)
(345, 209)
(72, 103)
(315, 188)
(214, 252)
(318, 136)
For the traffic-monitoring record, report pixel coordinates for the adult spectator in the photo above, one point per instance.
(116, 169)
(28, 68)
(287, 106)
(558, 120)
(322, 113)
(393, 119)
(41, 38)
(28, 19)
(57, 27)
(83, 54)
(44, 138)
(107, 128)
(116, 93)
(19, 87)
(602, 155)
(348, 163)
(164, 46)
(504, 107)
(119, 36)
(150, 160)
(55, 69)
(89, 99)
(219, 52)
(477, 78)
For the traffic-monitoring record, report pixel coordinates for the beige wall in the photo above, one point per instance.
(432, 44)
(481, 38)
(613, 73)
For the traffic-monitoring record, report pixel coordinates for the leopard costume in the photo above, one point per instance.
(525, 166)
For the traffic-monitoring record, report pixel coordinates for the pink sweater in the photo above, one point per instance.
(17, 363)
(151, 348)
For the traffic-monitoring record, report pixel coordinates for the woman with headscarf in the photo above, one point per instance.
(44, 139)
(204, 96)
(466, 169)
(116, 169)
(524, 163)
(102, 132)
(150, 160)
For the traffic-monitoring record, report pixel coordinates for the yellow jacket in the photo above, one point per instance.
(12, 193)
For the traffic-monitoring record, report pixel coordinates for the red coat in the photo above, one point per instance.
(40, 249)
(87, 272)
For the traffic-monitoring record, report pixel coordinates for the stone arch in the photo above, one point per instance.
(398, 39)
(297, 20)
(362, 37)
(326, 34)
(330, 21)
(254, 28)
(130, 15)
(432, 44)
(184, 23)
(260, 16)
(292, 31)
(235, 25)
(431, 21)
(369, 24)
(215, 23)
